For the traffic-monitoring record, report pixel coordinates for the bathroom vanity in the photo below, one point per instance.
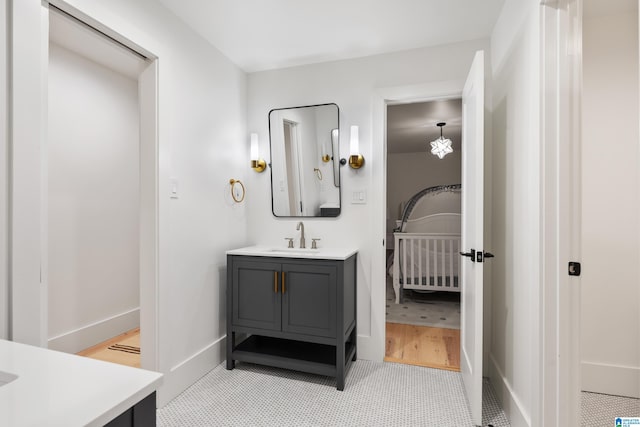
(293, 309)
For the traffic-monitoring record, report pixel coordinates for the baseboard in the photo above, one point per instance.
(183, 375)
(511, 404)
(95, 333)
(611, 379)
(370, 348)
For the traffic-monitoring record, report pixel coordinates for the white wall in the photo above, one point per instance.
(202, 143)
(610, 321)
(351, 84)
(92, 202)
(408, 173)
(516, 220)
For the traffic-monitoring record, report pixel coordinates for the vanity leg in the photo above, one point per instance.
(231, 338)
(340, 363)
(354, 341)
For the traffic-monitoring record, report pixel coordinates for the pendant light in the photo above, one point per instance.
(441, 146)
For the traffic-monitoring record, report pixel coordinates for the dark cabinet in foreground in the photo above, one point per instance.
(292, 313)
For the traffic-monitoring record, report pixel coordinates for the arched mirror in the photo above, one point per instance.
(305, 169)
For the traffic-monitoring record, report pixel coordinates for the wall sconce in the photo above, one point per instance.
(356, 160)
(257, 164)
(325, 156)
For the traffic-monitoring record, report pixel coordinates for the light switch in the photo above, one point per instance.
(359, 197)
(173, 188)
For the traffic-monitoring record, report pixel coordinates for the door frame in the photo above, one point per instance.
(4, 178)
(28, 263)
(557, 401)
(382, 97)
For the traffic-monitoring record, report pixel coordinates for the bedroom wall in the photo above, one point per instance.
(351, 84)
(202, 142)
(408, 173)
(93, 202)
(516, 206)
(610, 320)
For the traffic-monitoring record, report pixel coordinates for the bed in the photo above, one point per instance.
(426, 248)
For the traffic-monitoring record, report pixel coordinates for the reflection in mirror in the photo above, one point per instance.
(335, 156)
(305, 169)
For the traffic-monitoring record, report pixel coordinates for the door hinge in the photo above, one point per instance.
(574, 268)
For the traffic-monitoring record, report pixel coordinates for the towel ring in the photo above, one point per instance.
(233, 183)
(318, 173)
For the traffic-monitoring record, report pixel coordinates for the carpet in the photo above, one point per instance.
(435, 309)
(375, 394)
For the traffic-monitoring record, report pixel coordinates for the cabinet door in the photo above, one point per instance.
(256, 294)
(309, 299)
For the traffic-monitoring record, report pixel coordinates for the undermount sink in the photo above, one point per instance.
(6, 378)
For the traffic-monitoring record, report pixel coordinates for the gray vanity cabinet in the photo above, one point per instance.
(309, 300)
(256, 298)
(292, 313)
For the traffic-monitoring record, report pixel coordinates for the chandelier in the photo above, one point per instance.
(441, 146)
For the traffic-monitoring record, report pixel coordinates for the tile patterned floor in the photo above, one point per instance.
(376, 394)
(435, 309)
(601, 410)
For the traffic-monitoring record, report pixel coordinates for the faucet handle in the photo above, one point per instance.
(313, 243)
(290, 239)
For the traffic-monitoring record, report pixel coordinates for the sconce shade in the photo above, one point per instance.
(354, 145)
(356, 160)
(255, 148)
(257, 164)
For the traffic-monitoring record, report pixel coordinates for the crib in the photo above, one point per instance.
(426, 249)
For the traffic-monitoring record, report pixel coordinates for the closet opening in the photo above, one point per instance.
(423, 235)
(100, 202)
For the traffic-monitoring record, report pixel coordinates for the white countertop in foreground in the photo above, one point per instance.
(282, 252)
(60, 389)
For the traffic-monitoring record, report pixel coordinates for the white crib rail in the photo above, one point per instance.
(427, 261)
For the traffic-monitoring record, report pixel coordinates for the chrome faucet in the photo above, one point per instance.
(301, 228)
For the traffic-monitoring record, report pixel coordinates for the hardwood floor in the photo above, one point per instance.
(423, 346)
(123, 349)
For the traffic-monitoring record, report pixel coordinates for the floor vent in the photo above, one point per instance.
(125, 348)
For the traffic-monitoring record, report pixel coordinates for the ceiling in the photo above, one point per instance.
(260, 35)
(411, 127)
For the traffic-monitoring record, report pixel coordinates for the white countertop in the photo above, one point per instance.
(283, 252)
(60, 389)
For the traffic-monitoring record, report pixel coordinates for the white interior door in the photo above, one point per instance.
(472, 235)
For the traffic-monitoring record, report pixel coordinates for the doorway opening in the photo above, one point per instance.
(609, 249)
(422, 300)
(100, 203)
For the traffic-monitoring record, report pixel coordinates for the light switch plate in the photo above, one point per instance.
(359, 197)
(173, 188)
